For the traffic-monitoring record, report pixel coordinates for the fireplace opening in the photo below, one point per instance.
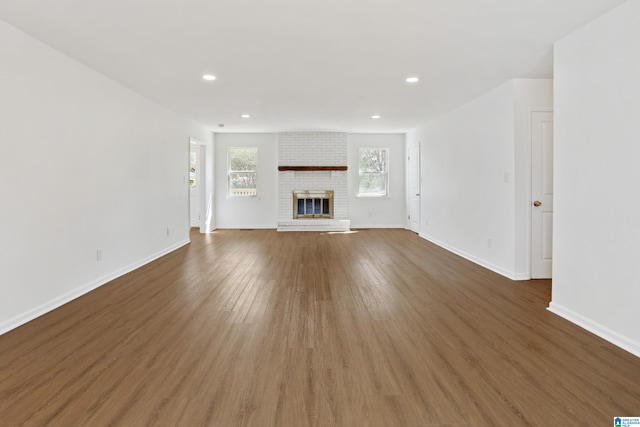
(312, 204)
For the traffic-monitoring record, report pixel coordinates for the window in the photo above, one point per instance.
(374, 172)
(242, 171)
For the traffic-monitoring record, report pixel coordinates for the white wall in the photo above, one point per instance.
(475, 171)
(84, 164)
(262, 212)
(378, 212)
(597, 149)
(247, 212)
(464, 156)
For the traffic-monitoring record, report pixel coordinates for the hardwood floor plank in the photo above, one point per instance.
(259, 328)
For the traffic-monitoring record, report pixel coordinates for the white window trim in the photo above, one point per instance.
(229, 172)
(386, 173)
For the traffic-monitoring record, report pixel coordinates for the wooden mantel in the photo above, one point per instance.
(312, 168)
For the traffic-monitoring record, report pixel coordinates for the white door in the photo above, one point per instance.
(194, 185)
(414, 188)
(541, 194)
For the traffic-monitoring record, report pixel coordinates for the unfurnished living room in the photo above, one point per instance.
(294, 213)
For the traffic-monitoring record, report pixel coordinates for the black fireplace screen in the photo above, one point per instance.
(313, 207)
(316, 204)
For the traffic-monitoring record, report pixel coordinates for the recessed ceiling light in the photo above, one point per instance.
(412, 80)
(209, 77)
(245, 116)
(375, 116)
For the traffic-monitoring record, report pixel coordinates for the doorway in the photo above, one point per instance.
(195, 184)
(541, 194)
(414, 188)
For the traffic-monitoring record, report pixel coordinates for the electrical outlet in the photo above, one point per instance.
(489, 243)
(168, 231)
(99, 255)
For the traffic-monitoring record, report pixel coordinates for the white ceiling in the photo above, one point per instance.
(303, 64)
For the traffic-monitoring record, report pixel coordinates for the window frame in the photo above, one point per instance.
(230, 172)
(384, 173)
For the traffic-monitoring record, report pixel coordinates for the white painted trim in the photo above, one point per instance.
(362, 226)
(57, 302)
(206, 190)
(246, 227)
(596, 328)
(529, 177)
(407, 183)
(501, 271)
(268, 227)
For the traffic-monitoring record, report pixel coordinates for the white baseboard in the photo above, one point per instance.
(269, 227)
(28, 316)
(596, 328)
(245, 227)
(522, 276)
(496, 269)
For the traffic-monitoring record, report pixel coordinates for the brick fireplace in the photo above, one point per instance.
(320, 159)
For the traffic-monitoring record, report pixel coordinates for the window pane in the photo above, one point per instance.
(243, 158)
(325, 206)
(373, 160)
(242, 183)
(373, 184)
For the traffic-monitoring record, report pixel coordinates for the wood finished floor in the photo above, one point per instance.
(259, 328)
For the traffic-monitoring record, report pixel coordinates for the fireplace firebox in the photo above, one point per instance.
(312, 204)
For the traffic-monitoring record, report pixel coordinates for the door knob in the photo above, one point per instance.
(537, 203)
